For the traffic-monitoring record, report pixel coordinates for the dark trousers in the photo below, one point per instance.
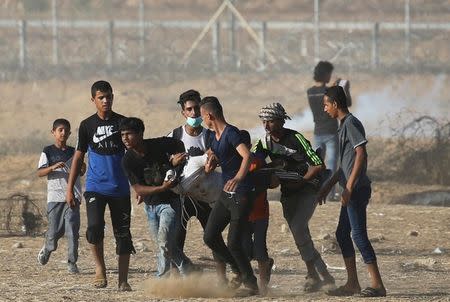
(232, 210)
(353, 220)
(120, 210)
(191, 208)
(254, 239)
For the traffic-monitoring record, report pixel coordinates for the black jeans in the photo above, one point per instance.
(233, 210)
(191, 208)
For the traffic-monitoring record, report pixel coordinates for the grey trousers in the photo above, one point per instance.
(63, 220)
(298, 209)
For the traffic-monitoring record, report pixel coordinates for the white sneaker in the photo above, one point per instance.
(43, 256)
(72, 268)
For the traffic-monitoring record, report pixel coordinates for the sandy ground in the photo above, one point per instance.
(410, 269)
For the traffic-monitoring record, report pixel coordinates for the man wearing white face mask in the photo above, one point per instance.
(197, 140)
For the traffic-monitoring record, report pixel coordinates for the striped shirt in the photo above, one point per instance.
(293, 149)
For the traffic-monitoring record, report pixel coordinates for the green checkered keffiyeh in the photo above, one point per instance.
(274, 111)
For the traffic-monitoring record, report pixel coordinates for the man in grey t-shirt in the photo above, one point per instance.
(355, 197)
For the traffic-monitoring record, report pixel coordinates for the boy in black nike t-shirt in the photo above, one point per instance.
(106, 183)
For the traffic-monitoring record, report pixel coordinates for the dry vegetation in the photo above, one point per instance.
(406, 155)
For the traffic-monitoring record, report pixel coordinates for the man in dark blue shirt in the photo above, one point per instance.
(234, 205)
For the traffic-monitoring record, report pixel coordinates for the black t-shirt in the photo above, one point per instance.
(151, 169)
(323, 123)
(101, 139)
(293, 151)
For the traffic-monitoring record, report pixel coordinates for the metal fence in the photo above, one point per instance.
(142, 41)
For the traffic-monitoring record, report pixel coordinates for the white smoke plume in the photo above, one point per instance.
(385, 108)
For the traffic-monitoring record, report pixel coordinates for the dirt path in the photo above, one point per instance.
(410, 269)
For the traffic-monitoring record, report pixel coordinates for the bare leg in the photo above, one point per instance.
(352, 275)
(100, 268)
(265, 268)
(375, 276)
(97, 252)
(124, 264)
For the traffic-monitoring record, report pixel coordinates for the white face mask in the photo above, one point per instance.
(194, 122)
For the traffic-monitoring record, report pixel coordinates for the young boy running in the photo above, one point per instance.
(106, 183)
(55, 162)
(355, 197)
(235, 202)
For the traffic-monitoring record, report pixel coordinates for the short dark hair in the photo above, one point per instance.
(337, 94)
(132, 124)
(322, 70)
(189, 95)
(245, 136)
(61, 122)
(102, 86)
(212, 104)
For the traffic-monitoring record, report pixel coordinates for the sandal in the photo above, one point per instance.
(340, 291)
(312, 284)
(370, 292)
(100, 282)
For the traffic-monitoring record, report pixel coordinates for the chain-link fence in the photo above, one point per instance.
(42, 37)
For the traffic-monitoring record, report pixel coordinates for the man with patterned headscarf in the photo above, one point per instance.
(301, 168)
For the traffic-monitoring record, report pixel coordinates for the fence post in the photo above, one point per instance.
(55, 58)
(303, 46)
(110, 54)
(263, 36)
(232, 39)
(216, 46)
(407, 32)
(141, 32)
(375, 38)
(316, 32)
(23, 44)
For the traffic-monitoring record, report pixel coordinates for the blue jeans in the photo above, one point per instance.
(163, 221)
(353, 220)
(330, 151)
